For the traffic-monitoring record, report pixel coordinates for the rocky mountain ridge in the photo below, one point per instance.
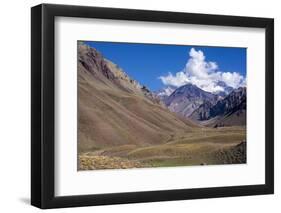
(231, 108)
(185, 99)
(194, 103)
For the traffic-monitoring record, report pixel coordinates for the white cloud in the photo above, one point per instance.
(178, 80)
(204, 74)
(244, 82)
(232, 79)
(166, 91)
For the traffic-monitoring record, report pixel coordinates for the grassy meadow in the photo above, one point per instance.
(203, 146)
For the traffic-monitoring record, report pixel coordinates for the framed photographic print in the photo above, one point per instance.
(139, 106)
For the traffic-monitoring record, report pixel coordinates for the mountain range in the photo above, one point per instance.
(122, 124)
(229, 111)
(105, 87)
(111, 105)
(226, 108)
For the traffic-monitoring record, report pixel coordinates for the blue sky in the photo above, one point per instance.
(147, 62)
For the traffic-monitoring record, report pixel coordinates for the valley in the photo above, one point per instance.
(122, 124)
(204, 146)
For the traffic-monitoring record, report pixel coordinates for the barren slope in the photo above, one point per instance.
(115, 110)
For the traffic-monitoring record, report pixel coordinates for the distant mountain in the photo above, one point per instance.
(226, 89)
(164, 93)
(114, 109)
(226, 112)
(235, 101)
(203, 112)
(185, 99)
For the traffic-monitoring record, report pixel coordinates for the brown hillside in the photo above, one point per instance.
(115, 110)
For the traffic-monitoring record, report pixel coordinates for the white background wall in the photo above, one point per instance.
(15, 106)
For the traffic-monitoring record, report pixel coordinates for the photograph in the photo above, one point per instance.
(160, 105)
(135, 105)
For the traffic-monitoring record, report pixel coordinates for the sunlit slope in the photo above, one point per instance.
(206, 146)
(115, 110)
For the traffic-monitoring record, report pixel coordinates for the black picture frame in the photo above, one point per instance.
(43, 102)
